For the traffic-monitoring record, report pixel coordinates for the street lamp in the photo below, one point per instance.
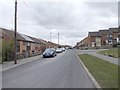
(50, 37)
(58, 38)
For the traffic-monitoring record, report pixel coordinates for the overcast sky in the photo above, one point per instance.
(73, 19)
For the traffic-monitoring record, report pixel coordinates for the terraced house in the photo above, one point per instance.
(115, 34)
(94, 39)
(26, 45)
(105, 37)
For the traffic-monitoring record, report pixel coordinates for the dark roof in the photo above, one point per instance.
(114, 30)
(94, 34)
(105, 32)
(10, 33)
(43, 41)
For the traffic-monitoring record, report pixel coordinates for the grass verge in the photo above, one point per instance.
(111, 52)
(105, 73)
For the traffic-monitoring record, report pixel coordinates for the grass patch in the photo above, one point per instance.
(104, 72)
(111, 52)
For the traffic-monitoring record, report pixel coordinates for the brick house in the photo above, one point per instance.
(52, 45)
(39, 46)
(106, 37)
(83, 43)
(94, 39)
(25, 45)
(116, 34)
(5, 37)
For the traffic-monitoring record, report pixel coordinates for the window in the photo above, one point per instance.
(28, 48)
(23, 51)
(24, 43)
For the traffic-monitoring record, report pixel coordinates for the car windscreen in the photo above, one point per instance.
(48, 50)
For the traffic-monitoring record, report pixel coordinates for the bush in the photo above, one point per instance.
(7, 49)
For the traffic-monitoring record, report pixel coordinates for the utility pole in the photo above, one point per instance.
(15, 35)
(58, 38)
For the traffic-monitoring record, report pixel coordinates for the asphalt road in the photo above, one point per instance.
(62, 71)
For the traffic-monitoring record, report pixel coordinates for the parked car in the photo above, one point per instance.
(63, 49)
(66, 48)
(49, 52)
(59, 50)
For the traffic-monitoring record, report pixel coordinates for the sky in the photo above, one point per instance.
(72, 19)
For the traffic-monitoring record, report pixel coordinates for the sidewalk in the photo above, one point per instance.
(9, 65)
(94, 53)
(107, 58)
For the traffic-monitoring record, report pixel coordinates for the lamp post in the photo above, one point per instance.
(58, 38)
(50, 37)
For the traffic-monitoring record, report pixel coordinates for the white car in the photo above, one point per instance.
(63, 49)
(59, 50)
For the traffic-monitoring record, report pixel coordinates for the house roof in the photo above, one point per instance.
(27, 38)
(22, 37)
(84, 38)
(10, 33)
(94, 34)
(52, 43)
(37, 40)
(105, 32)
(114, 30)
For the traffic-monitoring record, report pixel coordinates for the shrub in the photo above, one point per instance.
(7, 48)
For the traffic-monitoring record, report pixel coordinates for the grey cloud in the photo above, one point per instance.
(105, 9)
(53, 15)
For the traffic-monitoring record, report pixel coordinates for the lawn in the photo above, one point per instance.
(105, 73)
(111, 52)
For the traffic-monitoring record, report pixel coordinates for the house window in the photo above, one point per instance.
(23, 51)
(28, 48)
(28, 44)
(24, 43)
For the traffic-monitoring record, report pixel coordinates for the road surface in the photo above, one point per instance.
(62, 71)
